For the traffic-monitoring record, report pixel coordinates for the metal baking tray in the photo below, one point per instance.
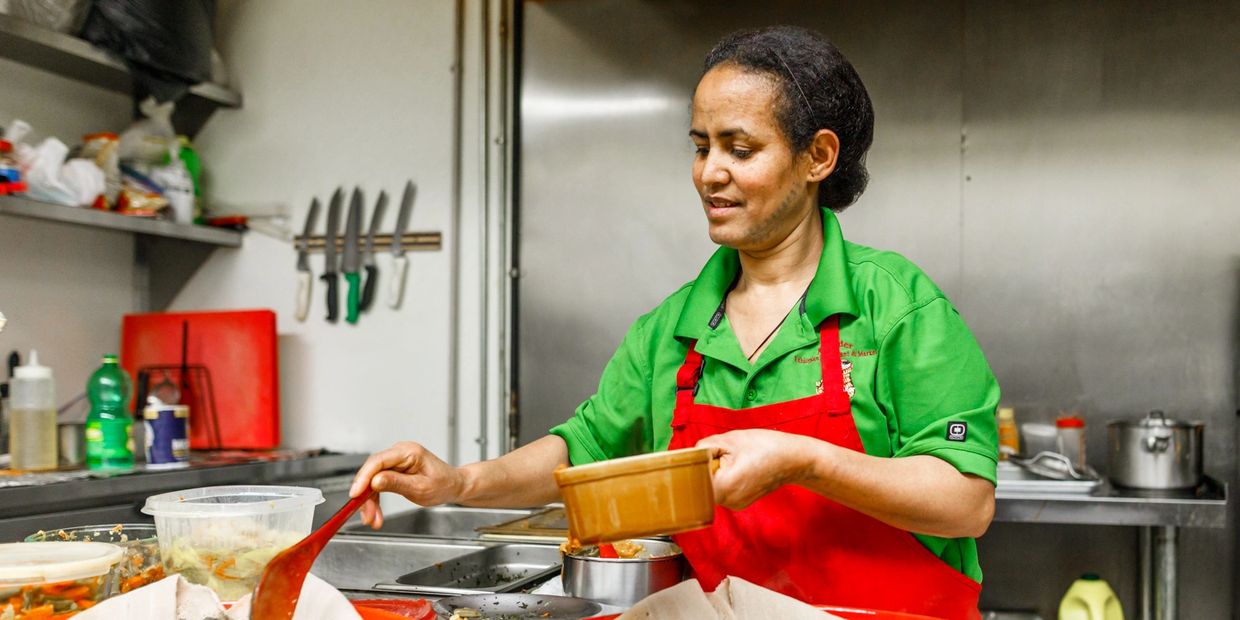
(503, 568)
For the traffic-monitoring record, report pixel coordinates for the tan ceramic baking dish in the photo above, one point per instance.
(636, 496)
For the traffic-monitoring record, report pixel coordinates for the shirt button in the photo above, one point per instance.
(751, 394)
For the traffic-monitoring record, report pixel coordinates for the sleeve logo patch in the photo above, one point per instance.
(957, 431)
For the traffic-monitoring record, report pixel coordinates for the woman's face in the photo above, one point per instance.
(753, 187)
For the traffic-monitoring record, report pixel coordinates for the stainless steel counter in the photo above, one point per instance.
(1159, 514)
(118, 498)
(1205, 506)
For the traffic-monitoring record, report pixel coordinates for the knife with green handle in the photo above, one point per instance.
(351, 261)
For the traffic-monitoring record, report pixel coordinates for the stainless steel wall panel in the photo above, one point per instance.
(1066, 171)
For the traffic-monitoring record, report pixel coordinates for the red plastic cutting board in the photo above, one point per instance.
(238, 348)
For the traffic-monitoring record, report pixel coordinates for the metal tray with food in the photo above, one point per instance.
(502, 568)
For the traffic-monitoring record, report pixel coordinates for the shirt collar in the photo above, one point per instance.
(830, 292)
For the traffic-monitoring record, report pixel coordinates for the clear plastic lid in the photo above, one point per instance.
(51, 562)
(232, 501)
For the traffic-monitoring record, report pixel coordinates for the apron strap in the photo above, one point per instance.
(829, 356)
(689, 375)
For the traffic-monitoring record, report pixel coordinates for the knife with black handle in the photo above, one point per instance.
(368, 254)
(330, 267)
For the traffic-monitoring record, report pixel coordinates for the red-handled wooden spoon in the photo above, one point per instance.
(278, 589)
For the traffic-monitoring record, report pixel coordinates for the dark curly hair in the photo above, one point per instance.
(818, 89)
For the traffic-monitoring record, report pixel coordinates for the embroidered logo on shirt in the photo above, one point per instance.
(846, 368)
(957, 431)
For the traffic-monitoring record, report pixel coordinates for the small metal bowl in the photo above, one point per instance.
(623, 582)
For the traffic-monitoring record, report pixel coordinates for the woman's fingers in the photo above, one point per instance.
(368, 510)
(404, 456)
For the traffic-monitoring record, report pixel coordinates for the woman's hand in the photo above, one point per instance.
(411, 470)
(754, 462)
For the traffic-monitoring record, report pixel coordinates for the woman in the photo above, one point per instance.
(851, 407)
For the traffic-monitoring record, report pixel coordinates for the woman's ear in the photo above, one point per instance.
(823, 152)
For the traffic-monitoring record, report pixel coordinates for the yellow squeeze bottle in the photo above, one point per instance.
(1009, 436)
(1090, 598)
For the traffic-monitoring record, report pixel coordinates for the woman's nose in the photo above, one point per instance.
(714, 169)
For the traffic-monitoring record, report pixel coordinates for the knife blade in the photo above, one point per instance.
(351, 262)
(329, 256)
(305, 278)
(368, 254)
(400, 264)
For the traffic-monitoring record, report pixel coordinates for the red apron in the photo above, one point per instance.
(800, 543)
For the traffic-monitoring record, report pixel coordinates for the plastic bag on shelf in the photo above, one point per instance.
(150, 139)
(59, 15)
(50, 178)
(167, 45)
(178, 188)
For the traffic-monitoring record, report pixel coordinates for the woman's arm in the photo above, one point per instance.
(522, 477)
(921, 494)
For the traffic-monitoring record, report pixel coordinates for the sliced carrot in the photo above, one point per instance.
(85, 603)
(42, 611)
(56, 588)
(137, 581)
(225, 565)
(76, 592)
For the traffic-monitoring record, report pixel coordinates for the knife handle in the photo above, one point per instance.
(333, 296)
(304, 282)
(354, 279)
(368, 290)
(396, 292)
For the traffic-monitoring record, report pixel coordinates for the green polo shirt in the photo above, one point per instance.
(915, 366)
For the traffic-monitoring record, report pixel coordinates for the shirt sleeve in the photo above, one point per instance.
(938, 391)
(616, 420)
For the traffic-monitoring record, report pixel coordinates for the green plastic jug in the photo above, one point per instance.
(1090, 598)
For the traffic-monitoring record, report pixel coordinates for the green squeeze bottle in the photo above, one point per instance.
(109, 427)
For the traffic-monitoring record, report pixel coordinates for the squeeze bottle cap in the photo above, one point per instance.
(32, 369)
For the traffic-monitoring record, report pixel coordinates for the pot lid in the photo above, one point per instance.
(1157, 419)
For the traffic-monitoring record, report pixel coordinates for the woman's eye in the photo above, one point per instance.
(741, 153)
(701, 150)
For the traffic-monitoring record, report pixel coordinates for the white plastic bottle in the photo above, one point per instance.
(1090, 598)
(32, 417)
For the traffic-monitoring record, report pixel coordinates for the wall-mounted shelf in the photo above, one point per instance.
(92, 218)
(77, 59)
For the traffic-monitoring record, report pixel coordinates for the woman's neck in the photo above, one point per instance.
(791, 262)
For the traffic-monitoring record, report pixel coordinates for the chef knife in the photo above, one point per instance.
(304, 276)
(400, 264)
(368, 254)
(351, 262)
(329, 255)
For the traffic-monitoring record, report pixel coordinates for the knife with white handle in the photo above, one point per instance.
(305, 278)
(400, 264)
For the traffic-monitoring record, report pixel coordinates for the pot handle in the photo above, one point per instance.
(1157, 444)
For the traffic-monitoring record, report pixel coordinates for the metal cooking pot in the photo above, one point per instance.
(1155, 453)
(624, 582)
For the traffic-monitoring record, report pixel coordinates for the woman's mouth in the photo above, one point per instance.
(717, 207)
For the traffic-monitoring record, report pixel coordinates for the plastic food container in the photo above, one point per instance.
(636, 496)
(223, 537)
(41, 580)
(139, 566)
